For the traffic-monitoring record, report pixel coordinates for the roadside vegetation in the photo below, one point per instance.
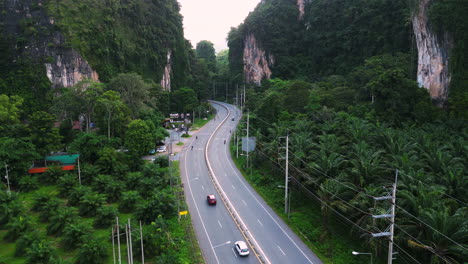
(67, 216)
(345, 149)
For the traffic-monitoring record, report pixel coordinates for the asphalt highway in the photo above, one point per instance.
(255, 221)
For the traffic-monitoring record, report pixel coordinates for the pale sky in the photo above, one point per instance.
(212, 19)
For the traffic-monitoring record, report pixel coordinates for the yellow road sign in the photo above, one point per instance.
(183, 213)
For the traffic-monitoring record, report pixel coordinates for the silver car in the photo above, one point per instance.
(241, 248)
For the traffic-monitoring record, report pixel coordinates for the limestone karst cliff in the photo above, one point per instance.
(71, 40)
(64, 65)
(256, 62)
(433, 54)
(166, 78)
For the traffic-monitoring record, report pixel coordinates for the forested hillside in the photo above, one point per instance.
(56, 44)
(342, 79)
(95, 80)
(331, 37)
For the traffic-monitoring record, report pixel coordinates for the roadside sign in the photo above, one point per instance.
(183, 212)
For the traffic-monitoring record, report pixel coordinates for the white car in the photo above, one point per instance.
(241, 248)
(161, 149)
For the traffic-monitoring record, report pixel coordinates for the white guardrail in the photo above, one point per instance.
(256, 249)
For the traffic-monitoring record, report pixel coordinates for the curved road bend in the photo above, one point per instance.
(216, 231)
(275, 238)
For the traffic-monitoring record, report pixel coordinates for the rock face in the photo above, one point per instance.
(166, 78)
(301, 7)
(256, 62)
(433, 51)
(64, 66)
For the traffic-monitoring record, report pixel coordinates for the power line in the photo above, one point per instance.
(300, 184)
(383, 167)
(371, 196)
(315, 196)
(321, 172)
(305, 188)
(458, 244)
(422, 244)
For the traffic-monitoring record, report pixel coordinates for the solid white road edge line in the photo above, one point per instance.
(238, 177)
(198, 211)
(221, 189)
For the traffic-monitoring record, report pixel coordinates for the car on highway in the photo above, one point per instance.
(211, 199)
(161, 149)
(241, 248)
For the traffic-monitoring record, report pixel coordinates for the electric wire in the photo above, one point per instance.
(347, 186)
(408, 213)
(415, 239)
(383, 167)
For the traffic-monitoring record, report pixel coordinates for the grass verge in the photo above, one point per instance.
(305, 217)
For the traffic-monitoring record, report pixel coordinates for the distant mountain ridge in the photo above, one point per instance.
(312, 39)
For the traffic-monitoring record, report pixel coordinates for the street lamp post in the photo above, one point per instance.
(360, 253)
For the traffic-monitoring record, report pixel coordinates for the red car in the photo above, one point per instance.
(211, 199)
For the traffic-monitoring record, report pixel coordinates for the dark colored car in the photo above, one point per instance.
(211, 199)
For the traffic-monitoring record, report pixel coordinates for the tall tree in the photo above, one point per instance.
(112, 107)
(77, 100)
(205, 50)
(133, 90)
(139, 138)
(43, 134)
(184, 100)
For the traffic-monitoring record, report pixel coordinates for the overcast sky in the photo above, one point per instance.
(212, 19)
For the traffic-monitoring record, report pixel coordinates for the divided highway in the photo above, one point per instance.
(215, 226)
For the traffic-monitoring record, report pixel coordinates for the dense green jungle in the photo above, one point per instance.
(343, 88)
(56, 217)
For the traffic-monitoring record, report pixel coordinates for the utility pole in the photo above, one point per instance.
(237, 94)
(286, 175)
(244, 96)
(141, 241)
(389, 231)
(79, 171)
(113, 243)
(237, 143)
(129, 245)
(286, 178)
(7, 178)
(392, 221)
(118, 240)
(248, 114)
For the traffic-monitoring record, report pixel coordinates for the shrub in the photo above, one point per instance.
(128, 201)
(92, 251)
(74, 235)
(162, 161)
(66, 183)
(40, 199)
(9, 210)
(48, 209)
(105, 216)
(108, 185)
(25, 242)
(77, 193)
(17, 227)
(40, 252)
(90, 202)
(88, 172)
(132, 180)
(62, 218)
(28, 183)
(52, 175)
(161, 203)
